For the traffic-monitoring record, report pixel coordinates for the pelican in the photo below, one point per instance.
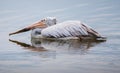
(49, 28)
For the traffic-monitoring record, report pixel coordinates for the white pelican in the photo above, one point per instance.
(48, 28)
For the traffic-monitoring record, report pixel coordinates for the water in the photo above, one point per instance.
(21, 54)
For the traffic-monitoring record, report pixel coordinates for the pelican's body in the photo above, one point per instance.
(66, 29)
(47, 28)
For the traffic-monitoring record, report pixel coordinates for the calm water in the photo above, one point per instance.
(21, 54)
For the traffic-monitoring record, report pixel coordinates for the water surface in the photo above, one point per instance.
(21, 54)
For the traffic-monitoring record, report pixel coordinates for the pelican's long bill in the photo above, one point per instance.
(38, 25)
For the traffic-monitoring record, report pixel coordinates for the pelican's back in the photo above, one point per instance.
(65, 29)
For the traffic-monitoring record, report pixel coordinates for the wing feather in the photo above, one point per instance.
(65, 29)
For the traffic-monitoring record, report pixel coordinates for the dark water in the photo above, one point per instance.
(21, 54)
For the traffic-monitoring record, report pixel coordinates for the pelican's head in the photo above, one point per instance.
(49, 21)
(46, 22)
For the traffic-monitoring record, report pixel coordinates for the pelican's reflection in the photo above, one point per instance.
(64, 46)
(28, 46)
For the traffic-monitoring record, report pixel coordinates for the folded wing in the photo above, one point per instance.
(68, 29)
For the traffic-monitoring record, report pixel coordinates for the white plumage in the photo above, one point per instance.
(66, 29)
(47, 28)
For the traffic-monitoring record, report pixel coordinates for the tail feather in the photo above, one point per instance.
(91, 32)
